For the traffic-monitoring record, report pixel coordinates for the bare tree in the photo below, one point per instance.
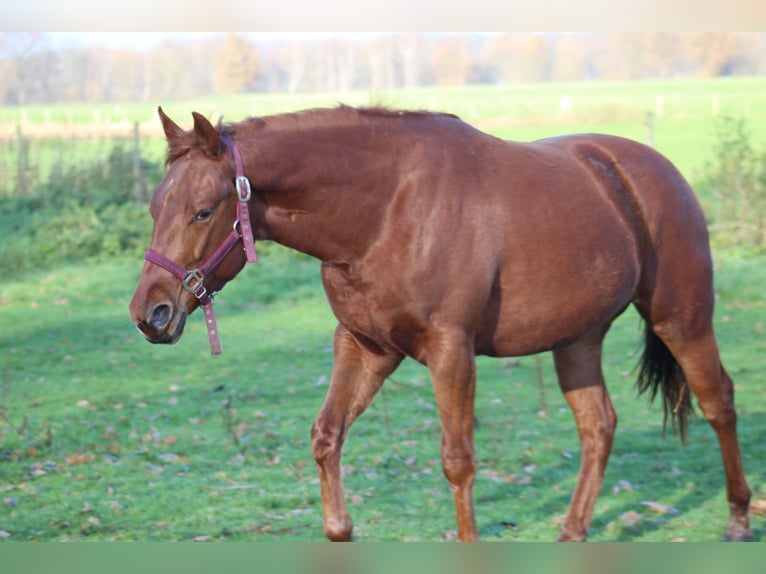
(295, 63)
(411, 50)
(237, 65)
(570, 58)
(32, 70)
(451, 62)
(382, 61)
(21, 56)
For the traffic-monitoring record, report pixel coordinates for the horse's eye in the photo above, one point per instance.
(203, 215)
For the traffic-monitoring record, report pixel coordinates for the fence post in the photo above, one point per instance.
(23, 187)
(139, 190)
(649, 124)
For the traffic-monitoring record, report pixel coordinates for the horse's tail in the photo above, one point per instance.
(659, 371)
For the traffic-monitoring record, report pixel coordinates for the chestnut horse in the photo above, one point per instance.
(440, 242)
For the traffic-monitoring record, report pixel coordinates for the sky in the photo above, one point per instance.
(148, 40)
(133, 40)
(312, 16)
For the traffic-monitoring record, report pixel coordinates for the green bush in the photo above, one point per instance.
(736, 182)
(77, 232)
(83, 211)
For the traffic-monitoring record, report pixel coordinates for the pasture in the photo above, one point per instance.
(104, 437)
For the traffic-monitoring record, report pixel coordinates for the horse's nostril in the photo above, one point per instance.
(160, 317)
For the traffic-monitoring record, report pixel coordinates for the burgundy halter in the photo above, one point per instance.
(193, 280)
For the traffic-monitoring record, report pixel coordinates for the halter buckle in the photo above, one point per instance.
(242, 184)
(193, 283)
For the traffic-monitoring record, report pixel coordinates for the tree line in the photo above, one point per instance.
(33, 70)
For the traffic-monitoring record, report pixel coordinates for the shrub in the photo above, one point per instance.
(736, 180)
(83, 211)
(77, 232)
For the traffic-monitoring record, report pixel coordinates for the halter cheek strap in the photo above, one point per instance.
(244, 193)
(194, 280)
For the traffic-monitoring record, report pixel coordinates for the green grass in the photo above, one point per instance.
(107, 437)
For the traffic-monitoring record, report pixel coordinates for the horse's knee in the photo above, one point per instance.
(326, 440)
(459, 466)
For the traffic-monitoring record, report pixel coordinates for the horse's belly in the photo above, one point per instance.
(528, 333)
(551, 309)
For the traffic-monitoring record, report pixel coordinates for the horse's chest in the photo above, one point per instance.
(362, 308)
(348, 298)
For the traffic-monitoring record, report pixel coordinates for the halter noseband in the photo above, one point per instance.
(193, 280)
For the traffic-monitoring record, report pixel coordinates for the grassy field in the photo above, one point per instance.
(104, 437)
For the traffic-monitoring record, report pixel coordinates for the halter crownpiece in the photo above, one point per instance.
(244, 193)
(193, 280)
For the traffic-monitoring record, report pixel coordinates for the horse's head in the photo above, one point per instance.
(194, 208)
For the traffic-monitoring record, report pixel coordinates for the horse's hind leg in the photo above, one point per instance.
(678, 306)
(581, 379)
(697, 353)
(358, 373)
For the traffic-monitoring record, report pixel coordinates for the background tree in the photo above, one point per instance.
(382, 61)
(521, 57)
(237, 65)
(33, 69)
(570, 59)
(451, 61)
(27, 67)
(716, 53)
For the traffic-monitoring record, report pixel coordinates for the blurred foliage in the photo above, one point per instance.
(736, 182)
(81, 212)
(40, 68)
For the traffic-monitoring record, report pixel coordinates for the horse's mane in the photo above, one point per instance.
(322, 117)
(307, 119)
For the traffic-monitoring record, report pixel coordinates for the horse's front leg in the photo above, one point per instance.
(358, 373)
(452, 364)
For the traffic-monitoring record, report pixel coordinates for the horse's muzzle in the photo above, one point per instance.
(163, 325)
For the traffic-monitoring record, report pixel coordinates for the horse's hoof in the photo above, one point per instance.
(737, 533)
(344, 535)
(567, 537)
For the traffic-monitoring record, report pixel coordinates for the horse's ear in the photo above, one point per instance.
(207, 136)
(172, 131)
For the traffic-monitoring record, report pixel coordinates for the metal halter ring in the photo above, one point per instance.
(193, 283)
(242, 184)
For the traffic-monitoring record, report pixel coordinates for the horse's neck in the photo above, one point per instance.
(324, 196)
